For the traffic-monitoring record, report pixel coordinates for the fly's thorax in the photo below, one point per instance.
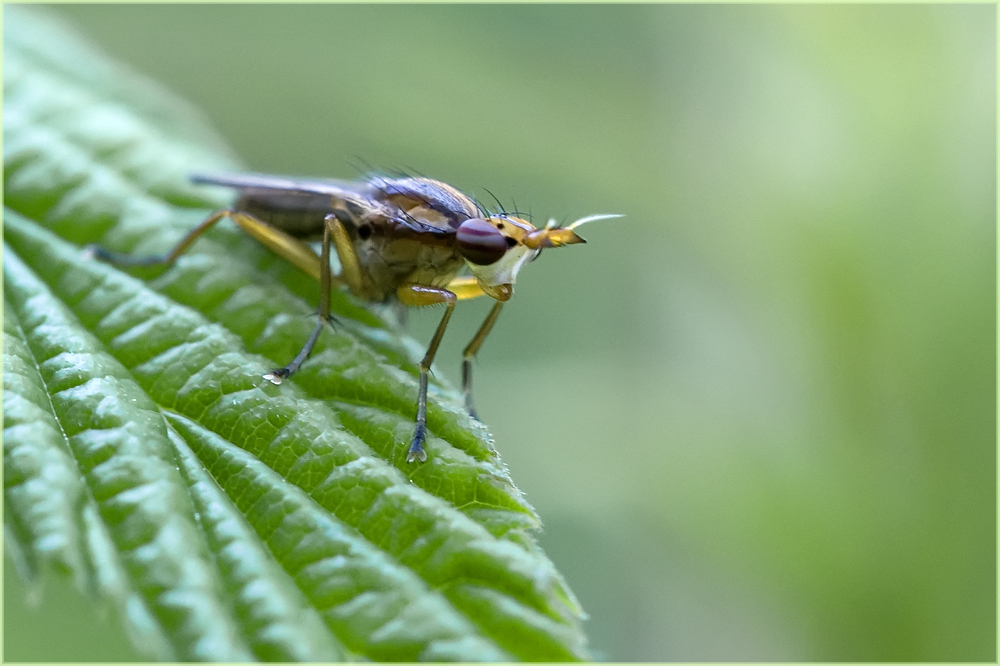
(424, 200)
(391, 255)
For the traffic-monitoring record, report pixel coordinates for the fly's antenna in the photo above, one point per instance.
(591, 218)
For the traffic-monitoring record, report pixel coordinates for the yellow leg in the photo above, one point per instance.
(285, 246)
(277, 375)
(470, 353)
(465, 287)
(168, 258)
(334, 234)
(350, 266)
(417, 295)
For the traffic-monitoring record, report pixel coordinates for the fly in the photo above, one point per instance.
(404, 239)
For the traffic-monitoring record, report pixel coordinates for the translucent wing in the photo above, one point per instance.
(358, 191)
(398, 199)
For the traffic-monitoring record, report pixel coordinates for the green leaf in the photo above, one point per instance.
(219, 516)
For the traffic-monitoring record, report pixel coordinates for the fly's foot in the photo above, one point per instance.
(278, 375)
(331, 321)
(95, 251)
(416, 452)
(469, 407)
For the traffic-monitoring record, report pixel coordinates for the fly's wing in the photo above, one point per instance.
(395, 199)
(266, 186)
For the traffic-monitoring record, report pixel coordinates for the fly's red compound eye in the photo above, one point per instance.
(480, 242)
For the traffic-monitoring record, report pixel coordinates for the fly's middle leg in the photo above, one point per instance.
(335, 234)
(417, 295)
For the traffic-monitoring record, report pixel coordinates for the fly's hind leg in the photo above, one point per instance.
(417, 295)
(333, 233)
(282, 244)
(170, 257)
(285, 246)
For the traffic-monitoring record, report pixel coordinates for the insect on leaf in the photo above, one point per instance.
(221, 517)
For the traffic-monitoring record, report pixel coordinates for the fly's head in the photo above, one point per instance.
(497, 247)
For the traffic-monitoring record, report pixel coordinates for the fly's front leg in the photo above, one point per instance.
(344, 247)
(470, 353)
(466, 287)
(417, 295)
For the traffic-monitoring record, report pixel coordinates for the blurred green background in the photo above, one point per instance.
(757, 415)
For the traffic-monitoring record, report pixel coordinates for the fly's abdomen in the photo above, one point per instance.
(298, 214)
